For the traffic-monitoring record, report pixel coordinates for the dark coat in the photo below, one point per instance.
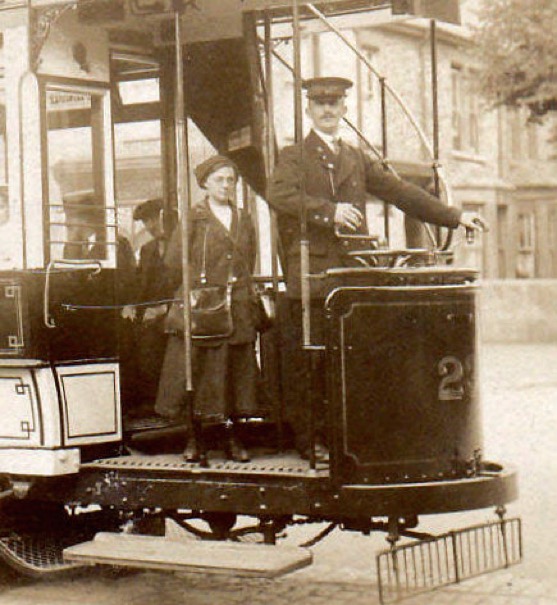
(348, 177)
(237, 246)
(224, 376)
(154, 284)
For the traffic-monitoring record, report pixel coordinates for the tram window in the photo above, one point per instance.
(139, 91)
(76, 156)
(9, 242)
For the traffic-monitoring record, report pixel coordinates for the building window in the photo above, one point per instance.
(370, 82)
(369, 98)
(465, 110)
(502, 240)
(532, 138)
(456, 92)
(553, 238)
(526, 248)
(514, 128)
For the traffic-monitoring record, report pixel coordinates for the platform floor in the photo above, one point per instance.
(262, 463)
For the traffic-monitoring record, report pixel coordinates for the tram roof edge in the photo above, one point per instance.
(441, 10)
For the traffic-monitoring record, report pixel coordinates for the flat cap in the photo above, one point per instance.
(212, 164)
(148, 209)
(331, 87)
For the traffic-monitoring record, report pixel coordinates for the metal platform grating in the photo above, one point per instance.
(280, 464)
(419, 567)
(35, 555)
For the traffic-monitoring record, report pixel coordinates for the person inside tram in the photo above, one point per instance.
(149, 318)
(222, 253)
(337, 178)
(84, 222)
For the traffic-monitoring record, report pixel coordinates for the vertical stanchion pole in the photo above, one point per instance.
(435, 113)
(183, 190)
(304, 241)
(270, 148)
(270, 142)
(384, 144)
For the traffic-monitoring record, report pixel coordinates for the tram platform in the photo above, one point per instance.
(263, 463)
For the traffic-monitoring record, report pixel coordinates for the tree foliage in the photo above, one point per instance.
(517, 45)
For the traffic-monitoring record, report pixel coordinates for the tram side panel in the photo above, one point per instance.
(404, 394)
(59, 385)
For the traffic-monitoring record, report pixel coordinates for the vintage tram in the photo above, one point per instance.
(401, 328)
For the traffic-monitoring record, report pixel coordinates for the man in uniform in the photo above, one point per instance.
(336, 179)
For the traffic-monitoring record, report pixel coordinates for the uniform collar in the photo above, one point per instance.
(328, 139)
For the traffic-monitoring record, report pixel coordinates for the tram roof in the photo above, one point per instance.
(444, 10)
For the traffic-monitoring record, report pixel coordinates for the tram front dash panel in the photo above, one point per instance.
(403, 394)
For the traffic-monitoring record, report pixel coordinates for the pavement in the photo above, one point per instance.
(519, 418)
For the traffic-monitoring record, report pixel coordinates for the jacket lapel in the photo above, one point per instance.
(318, 151)
(345, 164)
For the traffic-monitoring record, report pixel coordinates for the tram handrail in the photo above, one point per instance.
(76, 263)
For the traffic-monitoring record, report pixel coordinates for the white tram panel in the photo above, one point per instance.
(90, 403)
(45, 414)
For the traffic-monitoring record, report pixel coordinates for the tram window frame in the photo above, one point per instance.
(8, 247)
(102, 168)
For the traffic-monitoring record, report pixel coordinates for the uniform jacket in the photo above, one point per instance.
(223, 248)
(328, 178)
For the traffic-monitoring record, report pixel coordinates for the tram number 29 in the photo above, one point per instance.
(457, 377)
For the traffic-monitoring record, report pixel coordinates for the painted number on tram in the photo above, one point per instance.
(456, 377)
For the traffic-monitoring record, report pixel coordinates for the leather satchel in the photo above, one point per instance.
(210, 306)
(211, 312)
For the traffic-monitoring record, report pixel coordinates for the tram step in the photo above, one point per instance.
(225, 558)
